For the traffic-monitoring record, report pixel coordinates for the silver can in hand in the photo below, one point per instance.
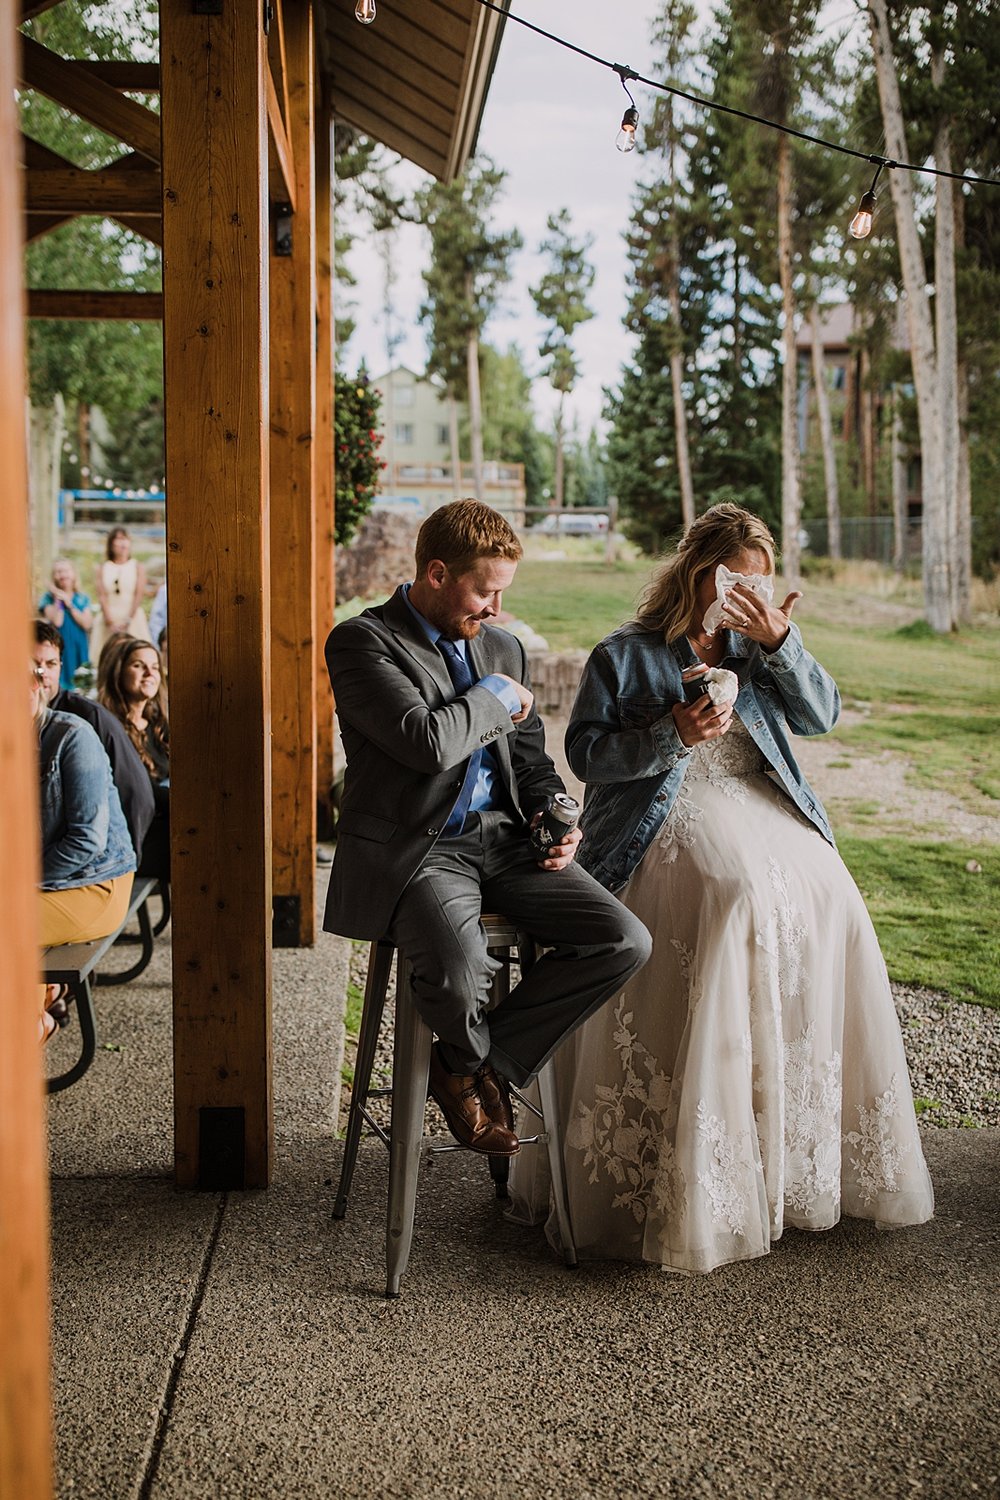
(562, 814)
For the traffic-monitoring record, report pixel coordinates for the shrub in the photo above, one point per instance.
(356, 461)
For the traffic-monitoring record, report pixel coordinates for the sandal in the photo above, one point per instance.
(58, 998)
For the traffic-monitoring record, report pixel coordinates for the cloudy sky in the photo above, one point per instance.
(551, 120)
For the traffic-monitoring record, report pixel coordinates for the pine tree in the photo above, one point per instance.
(561, 299)
(469, 266)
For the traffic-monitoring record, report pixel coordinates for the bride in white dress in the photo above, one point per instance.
(752, 1076)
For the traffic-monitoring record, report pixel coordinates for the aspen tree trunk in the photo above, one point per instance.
(963, 478)
(558, 482)
(475, 400)
(790, 495)
(936, 548)
(677, 356)
(899, 514)
(475, 416)
(46, 430)
(456, 451)
(826, 439)
(963, 505)
(946, 330)
(866, 430)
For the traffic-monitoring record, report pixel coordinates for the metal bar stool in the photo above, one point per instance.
(410, 1069)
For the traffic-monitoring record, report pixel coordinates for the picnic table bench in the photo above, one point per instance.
(75, 964)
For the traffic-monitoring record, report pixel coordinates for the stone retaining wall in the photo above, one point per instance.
(555, 676)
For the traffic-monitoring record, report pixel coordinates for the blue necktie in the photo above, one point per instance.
(462, 680)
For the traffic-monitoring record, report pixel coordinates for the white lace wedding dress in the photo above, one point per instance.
(752, 1075)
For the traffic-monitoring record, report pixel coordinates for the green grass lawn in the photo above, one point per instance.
(935, 701)
(576, 602)
(936, 922)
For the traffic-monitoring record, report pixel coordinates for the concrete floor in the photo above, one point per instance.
(237, 1345)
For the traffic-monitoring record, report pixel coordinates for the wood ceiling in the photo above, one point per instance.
(416, 78)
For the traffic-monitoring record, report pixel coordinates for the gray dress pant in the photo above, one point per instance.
(594, 944)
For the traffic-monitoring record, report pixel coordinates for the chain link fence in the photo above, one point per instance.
(868, 538)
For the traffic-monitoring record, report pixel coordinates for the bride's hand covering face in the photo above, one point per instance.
(753, 617)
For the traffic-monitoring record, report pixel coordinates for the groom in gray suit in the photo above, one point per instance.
(446, 772)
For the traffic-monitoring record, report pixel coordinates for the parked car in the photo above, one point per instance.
(582, 524)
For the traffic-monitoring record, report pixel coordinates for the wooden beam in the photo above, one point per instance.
(132, 307)
(324, 470)
(25, 1422)
(215, 383)
(293, 516)
(280, 164)
(71, 190)
(31, 8)
(41, 157)
(136, 77)
(277, 63)
(76, 89)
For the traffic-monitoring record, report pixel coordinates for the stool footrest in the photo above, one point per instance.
(382, 1133)
(521, 1099)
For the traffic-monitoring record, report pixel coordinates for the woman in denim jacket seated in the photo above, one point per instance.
(87, 855)
(752, 1075)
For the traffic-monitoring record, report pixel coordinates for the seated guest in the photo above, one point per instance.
(131, 688)
(69, 611)
(130, 777)
(87, 857)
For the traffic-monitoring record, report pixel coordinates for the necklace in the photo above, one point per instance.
(710, 653)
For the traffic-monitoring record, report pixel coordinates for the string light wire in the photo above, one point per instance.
(623, 71)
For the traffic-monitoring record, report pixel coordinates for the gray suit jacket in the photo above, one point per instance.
(408, 740)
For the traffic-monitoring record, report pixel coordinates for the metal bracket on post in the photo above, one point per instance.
(282, 229)
(286, 921)
(268, 16)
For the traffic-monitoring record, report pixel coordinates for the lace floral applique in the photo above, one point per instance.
(784, 938)
(685, 962)
(727, 762)
(881, 1153)
(678, 831)
(623, 1132)
(726, 1178)
(812, 1124)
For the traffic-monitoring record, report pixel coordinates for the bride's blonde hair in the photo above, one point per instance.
(668, 600)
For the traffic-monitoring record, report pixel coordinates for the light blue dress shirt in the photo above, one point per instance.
(484, 794)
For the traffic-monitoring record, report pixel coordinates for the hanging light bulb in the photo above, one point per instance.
(626, 135)
(861, 224)
(364, 12)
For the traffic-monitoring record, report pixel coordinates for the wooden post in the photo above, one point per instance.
(25, 1434)
(324, 558)
(293, 509)
(215, 378)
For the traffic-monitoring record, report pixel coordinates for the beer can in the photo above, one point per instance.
(562, 814)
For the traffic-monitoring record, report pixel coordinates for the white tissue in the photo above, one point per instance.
(758, 583)
(723, 685)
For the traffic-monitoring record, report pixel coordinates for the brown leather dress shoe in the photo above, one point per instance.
(457, 1095)
(494, 1091)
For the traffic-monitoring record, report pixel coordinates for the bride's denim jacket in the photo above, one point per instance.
(623, 743)
(85, 839)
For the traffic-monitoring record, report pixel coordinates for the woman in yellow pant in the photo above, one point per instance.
(87, 857)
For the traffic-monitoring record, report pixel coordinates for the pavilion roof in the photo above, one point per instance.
(416, 79)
